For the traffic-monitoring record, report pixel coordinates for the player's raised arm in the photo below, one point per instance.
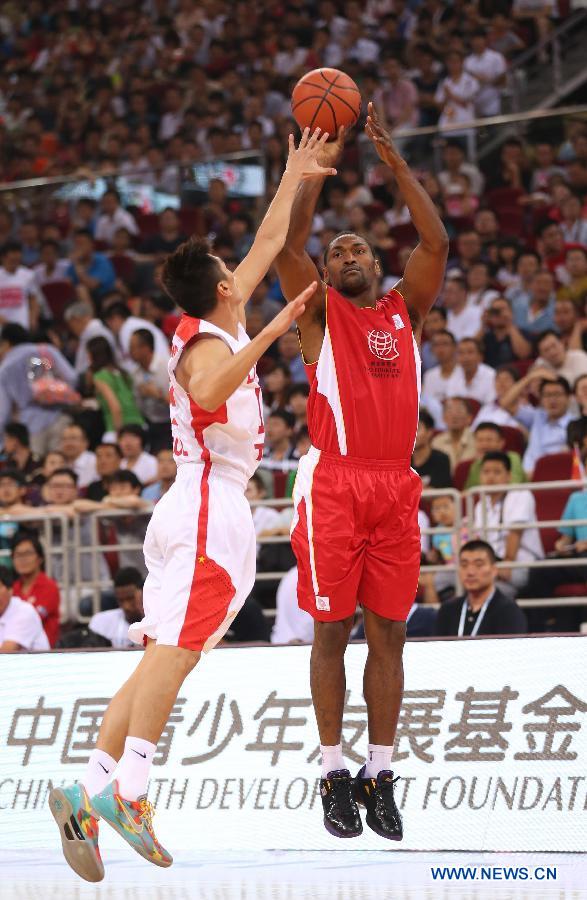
(424, 272)
(294, 266)
(215, 373)
(302, 164)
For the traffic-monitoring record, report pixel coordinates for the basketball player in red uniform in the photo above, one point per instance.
(355, 529)
(200, 546)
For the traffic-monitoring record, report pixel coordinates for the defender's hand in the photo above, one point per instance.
(384, 145)
(285, 319)
(303, 162)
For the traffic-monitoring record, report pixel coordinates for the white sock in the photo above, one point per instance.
(378, 760)
(133, 769)
(98, 772)
(332, 759)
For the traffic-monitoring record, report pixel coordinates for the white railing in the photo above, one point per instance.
(69, 541)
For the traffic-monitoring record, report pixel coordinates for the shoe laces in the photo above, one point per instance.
(386, 792)
(147, 812)
(343, 793)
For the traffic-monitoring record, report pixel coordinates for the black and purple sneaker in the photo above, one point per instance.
(376, 795)
(341, 813)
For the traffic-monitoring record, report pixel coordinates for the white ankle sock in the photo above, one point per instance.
(133, 770)
(378, 759)
(98, 772)
(332, 759)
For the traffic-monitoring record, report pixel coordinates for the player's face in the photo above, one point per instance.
(351, 267)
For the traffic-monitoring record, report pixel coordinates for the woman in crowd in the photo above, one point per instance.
(33, 585)
(113, 388)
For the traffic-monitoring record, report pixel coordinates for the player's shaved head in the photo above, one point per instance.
(344, 236)
(351, 267)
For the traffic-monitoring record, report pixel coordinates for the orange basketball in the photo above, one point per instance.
(326, 99)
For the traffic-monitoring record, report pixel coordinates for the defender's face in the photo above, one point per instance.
(228, 288)
(351, 267)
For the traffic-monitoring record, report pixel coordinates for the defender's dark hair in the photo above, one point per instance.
(426, 419)
(471, 546)
(190, 276)
(6, 577)
(498, 456)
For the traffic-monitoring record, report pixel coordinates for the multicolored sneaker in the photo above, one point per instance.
(133, 820)
(78, 826)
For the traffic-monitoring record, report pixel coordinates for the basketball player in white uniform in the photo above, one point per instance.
(200, 544)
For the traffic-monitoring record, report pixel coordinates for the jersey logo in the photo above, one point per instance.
(398, 321)
(383, 345)
(323, 603)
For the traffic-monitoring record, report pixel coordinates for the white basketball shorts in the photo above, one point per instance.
(200, 552)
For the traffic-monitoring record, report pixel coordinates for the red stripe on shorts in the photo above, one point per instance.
(211, 589)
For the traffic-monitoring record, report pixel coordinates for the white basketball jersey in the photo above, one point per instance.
(231, 436)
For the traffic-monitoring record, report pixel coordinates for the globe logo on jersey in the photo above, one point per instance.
(383, 345)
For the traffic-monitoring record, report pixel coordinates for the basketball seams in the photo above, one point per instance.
(324, 98)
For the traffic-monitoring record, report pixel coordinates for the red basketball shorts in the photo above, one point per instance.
(355, 535)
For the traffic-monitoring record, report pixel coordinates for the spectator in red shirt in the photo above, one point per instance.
(28, 559)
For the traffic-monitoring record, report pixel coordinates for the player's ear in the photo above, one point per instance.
(377, 267)
(224, 289)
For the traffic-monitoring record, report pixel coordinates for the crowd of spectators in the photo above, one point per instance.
(142, 88)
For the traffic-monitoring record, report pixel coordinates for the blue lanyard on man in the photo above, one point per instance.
(477, 624)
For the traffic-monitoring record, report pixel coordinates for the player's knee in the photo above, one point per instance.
(385, 636)
(333, 637)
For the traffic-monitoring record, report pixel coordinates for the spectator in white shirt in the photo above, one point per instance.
(292, 624)
(80, 321)
(74, 446)
(488, 67)
(122, 325)
(436, 379)
(500, 509)
(172, 118)
(150, 380)
(571, 364)
(574, 226)
(21, 627)
(112, 218)
(113, 624)
(290, 57)
(479, 293)
(472, 378)
(462, 320)
(456, 93)
(453, 158)
(51, 268)
(131, 440)
(19, 297)
(264, 517)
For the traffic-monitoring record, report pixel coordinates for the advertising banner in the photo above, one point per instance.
(491, 746)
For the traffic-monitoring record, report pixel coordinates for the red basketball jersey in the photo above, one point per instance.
(365, 386)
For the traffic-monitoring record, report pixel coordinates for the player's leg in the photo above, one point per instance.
(329, 568)
(387, 591)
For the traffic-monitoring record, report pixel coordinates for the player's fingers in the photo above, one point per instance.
(291, 143)
(304, 138)
(323, 138)
(314, 138)
(306, 293)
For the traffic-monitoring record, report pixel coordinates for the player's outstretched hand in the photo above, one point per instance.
(386, 149)
(303, 160)
(285, 319)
